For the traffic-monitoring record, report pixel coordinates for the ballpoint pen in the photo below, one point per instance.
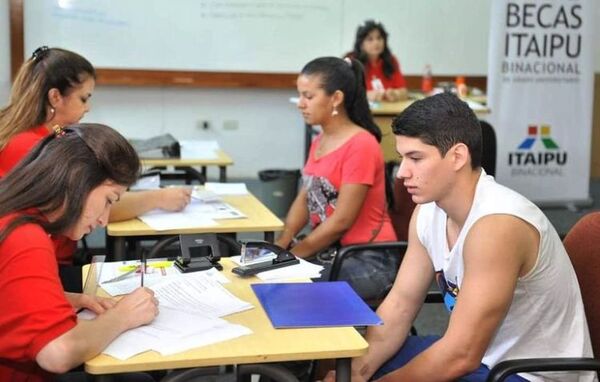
(143, 267)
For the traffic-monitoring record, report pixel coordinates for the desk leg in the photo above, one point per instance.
(203, 170)
(342, 369)
(119, 250)
(222, 174)
(269, 236)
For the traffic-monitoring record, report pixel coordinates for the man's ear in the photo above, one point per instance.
(54, 97)
(461, 156)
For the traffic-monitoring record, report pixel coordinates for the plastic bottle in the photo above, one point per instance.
(461, 86)
(427, 81)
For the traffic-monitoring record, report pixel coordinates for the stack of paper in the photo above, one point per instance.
(191, 149)
(227, 188)
(189, 317)
(199, 213)
(174, 331)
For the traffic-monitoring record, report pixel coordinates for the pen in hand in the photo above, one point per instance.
(143, 265)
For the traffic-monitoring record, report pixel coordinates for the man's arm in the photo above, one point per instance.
(88, 338)
(350, 200)
(399, 308)
(134, 203)
(498, 249)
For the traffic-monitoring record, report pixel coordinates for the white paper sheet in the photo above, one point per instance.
(161, 220)
(191, 149)
(227, 188)
(133, 281)
(303, 270)
(198, 294)
(174, 331)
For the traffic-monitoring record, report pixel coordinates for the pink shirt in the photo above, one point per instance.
(358, 161)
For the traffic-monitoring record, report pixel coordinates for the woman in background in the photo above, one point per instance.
(73, 179)
(343, 193)
(383, 78)
(53, 88)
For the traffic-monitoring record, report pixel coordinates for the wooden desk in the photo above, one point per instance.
(222, 161)
(384, 113)
(258, 219)
(266, 344)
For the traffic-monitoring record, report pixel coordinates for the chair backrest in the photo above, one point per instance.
(488, 160)
(401, 210)
(583, 246)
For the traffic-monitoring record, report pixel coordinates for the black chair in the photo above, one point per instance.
(583, 246)
(488, 160)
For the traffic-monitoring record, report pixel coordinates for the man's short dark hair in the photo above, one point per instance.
(442, 120)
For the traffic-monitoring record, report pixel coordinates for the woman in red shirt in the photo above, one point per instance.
(53, 88)
(343, 195)
(383, 78)
(73, 179)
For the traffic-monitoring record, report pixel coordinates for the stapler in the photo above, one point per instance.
(283, 258)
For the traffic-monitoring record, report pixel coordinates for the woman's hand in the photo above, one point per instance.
(96, 304)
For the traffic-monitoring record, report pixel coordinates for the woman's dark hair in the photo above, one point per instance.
(347, 76)
(61, 171)
(361, 34)
(442, 120)
(48, 68)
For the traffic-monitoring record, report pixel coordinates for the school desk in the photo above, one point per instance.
(222, 161)
(384, 113)
(266, 344)
(258, 219)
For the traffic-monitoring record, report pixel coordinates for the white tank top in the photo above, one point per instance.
(546, 316)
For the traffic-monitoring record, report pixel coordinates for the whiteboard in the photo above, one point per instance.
(268, 36)
(275, 36)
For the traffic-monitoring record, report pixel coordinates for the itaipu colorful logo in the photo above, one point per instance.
(538, 154)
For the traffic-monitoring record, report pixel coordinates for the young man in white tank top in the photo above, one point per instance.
(506, 278)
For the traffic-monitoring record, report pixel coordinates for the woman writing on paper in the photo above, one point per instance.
(343, 193)
(53, 88)
(73, 178)
(383, 78)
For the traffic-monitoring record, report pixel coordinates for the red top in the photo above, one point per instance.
(33, 308)
(358, 161)
(374, 76)
(19, 146)
(14, 151)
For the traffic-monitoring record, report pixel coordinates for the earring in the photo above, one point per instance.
(334, 112)
(52, 112)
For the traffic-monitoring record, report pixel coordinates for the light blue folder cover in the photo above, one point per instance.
(319, 304)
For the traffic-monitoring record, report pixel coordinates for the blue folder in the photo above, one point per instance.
(320, 304)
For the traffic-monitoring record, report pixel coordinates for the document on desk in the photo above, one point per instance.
(174, 331)
(227, 188)
(196, 214)
(199, 294)
(160, 220)
(193, 149)
(155, 273)
(303, 270)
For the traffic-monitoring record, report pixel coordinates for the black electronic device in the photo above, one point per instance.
(198, 253)
(257, 249)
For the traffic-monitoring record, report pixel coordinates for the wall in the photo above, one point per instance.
(269, 130)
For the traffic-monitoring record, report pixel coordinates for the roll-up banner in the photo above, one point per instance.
(540, 91)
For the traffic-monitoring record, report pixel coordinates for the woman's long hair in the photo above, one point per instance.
(346, 75)
(61, 171)
(48, 68)
(361, 34)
